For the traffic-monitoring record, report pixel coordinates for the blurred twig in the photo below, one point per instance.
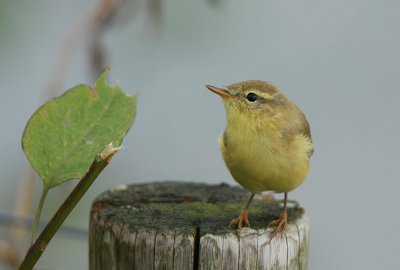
(23, 207)
(11, 219)
(9, 255)
(154, 15)
(92, 21)
(97, 55)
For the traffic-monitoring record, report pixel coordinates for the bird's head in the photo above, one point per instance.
(252, 100)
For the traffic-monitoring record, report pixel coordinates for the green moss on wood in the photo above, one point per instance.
(182, 207)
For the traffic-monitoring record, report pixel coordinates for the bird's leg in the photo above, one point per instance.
(280, 223)
(243, 218)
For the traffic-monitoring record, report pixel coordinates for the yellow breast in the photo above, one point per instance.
(261, 161)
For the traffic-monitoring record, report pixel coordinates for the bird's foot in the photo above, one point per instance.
(242, 220)
(279, 224)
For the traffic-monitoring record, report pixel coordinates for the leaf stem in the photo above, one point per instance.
(38, 247)
(38, 213)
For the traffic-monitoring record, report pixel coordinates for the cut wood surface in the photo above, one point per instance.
(182, 225)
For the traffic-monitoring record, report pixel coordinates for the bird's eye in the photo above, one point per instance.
(251, 97)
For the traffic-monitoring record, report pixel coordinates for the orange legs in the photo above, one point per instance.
(281, 222)
(243, 218)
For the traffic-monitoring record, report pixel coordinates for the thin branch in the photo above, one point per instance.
(38, 247)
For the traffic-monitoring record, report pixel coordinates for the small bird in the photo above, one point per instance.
(267, 142)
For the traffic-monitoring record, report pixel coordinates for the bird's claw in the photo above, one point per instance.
(279, 224)
(241, 221)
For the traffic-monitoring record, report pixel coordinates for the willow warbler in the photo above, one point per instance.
(267, 142)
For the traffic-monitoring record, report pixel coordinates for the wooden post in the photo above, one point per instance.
(180, 226)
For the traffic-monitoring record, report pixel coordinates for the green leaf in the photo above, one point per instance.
(64, 135)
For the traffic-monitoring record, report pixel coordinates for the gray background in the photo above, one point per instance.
(337, 60)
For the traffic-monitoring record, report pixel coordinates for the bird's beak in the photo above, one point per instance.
(219, 91)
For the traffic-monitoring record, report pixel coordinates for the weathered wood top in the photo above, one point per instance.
(178, 225)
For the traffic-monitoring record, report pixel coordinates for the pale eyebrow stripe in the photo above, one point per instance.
(263, 95)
